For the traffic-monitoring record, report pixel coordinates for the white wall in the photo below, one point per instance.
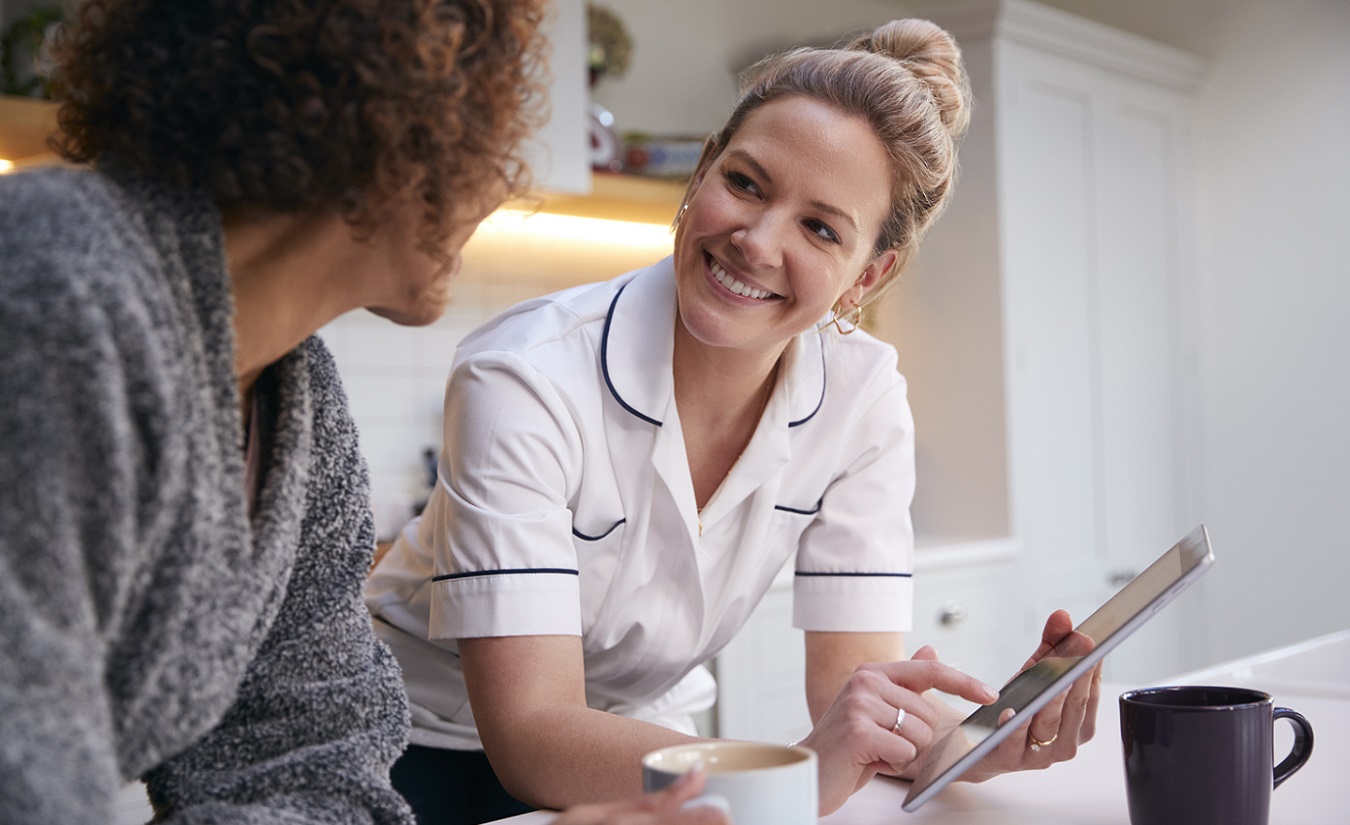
(687, 54)
(1275, 200)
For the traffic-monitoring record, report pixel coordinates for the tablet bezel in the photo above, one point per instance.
(1195, 557)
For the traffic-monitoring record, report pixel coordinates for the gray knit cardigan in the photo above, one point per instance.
(148, 627)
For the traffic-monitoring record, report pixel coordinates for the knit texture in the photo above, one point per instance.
(148, 628)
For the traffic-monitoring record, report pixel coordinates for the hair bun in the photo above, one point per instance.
(933, 56)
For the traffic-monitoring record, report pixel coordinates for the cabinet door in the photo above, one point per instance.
(1094, 167)
(1047, 198)
(1143, 279)
(963, 613)
(761, 676)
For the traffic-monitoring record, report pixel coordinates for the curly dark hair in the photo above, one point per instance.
(294, 105)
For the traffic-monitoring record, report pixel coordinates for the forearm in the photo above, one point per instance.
(832, 657)
(558, 756)
(547, 747)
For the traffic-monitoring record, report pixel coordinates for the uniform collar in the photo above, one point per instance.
(640, 332)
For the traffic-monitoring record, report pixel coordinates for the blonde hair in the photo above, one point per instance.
(907, 81)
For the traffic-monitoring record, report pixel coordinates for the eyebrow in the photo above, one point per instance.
(745, 157)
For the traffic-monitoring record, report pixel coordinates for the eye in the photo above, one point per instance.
(821, 230)
(741, 182)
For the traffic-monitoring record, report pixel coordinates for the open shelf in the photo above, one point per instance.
(25, 125)
(618, 198)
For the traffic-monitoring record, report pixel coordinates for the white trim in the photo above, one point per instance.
(1057, 31)
(950, 555)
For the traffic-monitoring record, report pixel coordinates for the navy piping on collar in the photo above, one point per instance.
(604, 361)
(884, 575)
(562, 571)
(585, 537)
(824, 377)
(799, 511)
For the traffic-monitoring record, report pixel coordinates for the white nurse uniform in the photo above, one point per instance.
(565, 507)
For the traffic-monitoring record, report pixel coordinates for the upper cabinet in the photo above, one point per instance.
(560, 152)
(1047, 326)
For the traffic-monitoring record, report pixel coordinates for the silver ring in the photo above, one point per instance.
(899, 720)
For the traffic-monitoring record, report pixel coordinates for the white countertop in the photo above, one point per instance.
(1311, 677)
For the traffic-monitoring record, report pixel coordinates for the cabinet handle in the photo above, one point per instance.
(952, 614)
(1120, 578)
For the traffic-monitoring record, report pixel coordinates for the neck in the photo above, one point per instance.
(720, 383)
(286, 283)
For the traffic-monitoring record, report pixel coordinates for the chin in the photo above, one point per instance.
(417, 317)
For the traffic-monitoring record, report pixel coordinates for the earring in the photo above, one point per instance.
(853, 318)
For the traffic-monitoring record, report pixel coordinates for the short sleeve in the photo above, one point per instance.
(854, 570)
(498, 524)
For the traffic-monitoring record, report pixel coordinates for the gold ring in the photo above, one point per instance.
(899, 720)
(1037, 744)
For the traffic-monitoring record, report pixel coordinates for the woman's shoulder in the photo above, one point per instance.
(564, 319)
(60, 228)
(860, 356)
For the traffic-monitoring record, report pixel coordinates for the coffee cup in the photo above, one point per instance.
(1205, 755)
(757, 783)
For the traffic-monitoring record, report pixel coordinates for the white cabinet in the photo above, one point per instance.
(961, 604)
(560, 153)
(1046, 327)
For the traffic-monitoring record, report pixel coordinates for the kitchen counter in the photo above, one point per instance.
(1312, 677)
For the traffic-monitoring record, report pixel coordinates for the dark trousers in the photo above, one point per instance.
(446, 787)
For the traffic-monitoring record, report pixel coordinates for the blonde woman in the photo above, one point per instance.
(627, 465)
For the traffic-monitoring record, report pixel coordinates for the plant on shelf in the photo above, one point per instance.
(25, 66)
(610, 47)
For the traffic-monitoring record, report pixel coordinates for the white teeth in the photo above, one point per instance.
(736, 286)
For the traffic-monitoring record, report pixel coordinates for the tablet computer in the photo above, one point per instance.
(1036, 686)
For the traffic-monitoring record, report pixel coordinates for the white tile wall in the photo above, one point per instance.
(395, 376)
(395, 380)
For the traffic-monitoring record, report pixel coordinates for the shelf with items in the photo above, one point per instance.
(551, 241)
(616, 197)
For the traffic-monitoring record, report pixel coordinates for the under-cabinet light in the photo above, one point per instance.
(577, 230)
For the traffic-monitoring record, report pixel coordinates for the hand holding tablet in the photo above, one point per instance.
(1075, 655)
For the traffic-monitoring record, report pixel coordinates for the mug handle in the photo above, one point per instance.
(1303, 745)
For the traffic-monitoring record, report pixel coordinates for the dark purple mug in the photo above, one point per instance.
(1205, 755)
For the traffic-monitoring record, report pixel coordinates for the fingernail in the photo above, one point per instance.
(990, 692)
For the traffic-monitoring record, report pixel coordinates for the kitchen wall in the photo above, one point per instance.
(1275, 473)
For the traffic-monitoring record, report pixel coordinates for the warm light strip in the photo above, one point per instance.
(575, 229)
(5, 165)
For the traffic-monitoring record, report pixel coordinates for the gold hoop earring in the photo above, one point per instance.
(853, 318)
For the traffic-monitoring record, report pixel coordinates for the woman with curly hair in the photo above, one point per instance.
(184, 523)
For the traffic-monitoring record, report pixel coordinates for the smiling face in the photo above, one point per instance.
(781, 226)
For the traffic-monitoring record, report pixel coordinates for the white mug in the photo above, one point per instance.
(760, 784)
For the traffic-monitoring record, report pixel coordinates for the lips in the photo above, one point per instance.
(737, 287)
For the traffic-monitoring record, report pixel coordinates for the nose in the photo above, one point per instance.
(760, 240)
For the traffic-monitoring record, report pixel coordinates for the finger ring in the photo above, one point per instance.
(899, 720)
(1037, 744)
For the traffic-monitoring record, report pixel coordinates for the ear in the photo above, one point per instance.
(876, 273)
(705, 160)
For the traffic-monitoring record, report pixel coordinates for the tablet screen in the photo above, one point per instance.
(1036, 686)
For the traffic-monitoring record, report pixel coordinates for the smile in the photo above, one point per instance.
(736, 286)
